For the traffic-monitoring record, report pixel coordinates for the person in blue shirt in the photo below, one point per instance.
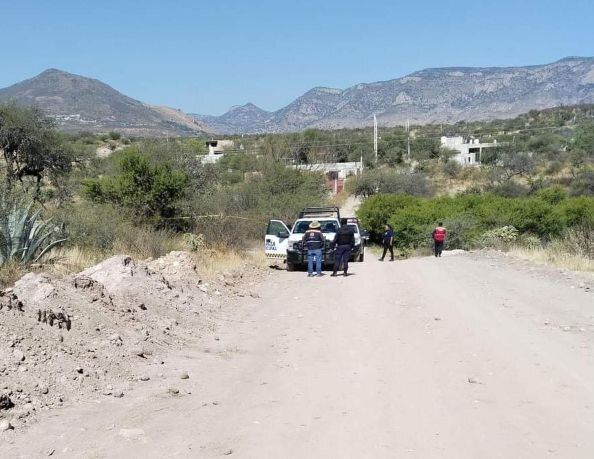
(388, 242)
(313, 241)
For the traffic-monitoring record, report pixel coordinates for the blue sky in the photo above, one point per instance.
(205, 56)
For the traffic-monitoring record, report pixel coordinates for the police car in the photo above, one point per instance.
(282, 243)
(361, 237)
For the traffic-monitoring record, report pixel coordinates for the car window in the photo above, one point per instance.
(327, 226)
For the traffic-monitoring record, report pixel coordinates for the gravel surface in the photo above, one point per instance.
(470, 355)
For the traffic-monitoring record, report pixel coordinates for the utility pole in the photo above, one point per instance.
(375, 137)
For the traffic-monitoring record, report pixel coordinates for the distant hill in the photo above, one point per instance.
(433, 95)
(239, 119)
(79, 103)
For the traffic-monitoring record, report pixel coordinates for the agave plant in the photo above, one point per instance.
(23, 237)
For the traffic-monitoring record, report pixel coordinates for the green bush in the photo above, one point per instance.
(147, 189)
(499, 237)
(471, 215)
(388, 180)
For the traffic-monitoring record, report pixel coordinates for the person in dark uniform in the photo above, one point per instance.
(388, 242)
(439, 235)
(313, 241)
(344, 240)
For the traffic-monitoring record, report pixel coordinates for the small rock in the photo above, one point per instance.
(43, 389)
(228, 452)
(184, 375)
(474, 381)
(254, 295)
(118, 394)
(79, 370)
(18, 355)
(145, 378)
(173, 390)
(139, 352)
(5, 425)
(5, 402)
(133, 434)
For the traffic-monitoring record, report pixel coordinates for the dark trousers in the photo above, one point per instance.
(391, 249)
(342, 255)
(438, 248)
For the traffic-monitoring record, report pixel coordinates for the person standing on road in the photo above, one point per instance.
(388, 242)
(313, 241)
(344, 242)
(439, 235)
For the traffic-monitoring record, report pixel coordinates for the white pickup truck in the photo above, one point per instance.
(284, 244)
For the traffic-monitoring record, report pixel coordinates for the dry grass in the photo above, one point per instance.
(64, 261)
(555, 256)
(219, 260)
(67, 260)
(10, 273)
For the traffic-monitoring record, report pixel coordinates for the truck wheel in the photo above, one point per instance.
(290, 267)
(361, 257)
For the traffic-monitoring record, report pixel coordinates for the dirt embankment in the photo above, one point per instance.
(63, 340)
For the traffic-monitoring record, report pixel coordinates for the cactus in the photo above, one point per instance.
(23, 237)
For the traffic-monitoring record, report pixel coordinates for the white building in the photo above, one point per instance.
(469, 152)
(216, 148)
(337, 170)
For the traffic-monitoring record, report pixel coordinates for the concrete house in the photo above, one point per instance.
(469, 151)
(216, 149)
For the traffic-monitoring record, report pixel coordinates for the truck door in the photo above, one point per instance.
(276, 240)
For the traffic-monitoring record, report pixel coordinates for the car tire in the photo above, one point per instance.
(290, 266)
(361, 256)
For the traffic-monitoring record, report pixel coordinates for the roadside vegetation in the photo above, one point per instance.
(72, 200)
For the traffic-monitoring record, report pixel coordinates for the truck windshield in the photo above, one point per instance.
(328, 226)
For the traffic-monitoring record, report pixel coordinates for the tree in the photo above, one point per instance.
(30, 146)
(149, 190)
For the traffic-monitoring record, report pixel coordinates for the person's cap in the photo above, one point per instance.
(315, 224)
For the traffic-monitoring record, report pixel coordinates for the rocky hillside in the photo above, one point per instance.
(239, 119)
(432, 95)
(79, 103)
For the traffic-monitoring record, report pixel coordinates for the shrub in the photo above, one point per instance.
(389, 180)
(499, 237)
(452, 168)
(148, 190)
(583, 184)
(23, 237)
(553, 195)
(511, 189)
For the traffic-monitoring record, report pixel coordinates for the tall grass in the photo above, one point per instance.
(555, 255)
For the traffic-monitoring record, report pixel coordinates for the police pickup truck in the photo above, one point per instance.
(361, 237)
(284, 244)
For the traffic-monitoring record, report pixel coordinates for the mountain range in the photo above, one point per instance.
(435, 95)
(440, 95)
(79, 103)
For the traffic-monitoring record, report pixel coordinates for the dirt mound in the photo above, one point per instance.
(64, 339)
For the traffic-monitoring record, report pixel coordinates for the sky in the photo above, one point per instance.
(206, 56)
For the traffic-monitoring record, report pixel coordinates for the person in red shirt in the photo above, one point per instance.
(439, 235)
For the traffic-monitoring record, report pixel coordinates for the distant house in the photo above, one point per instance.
(335, 173)
(469, 151)
(216, 149)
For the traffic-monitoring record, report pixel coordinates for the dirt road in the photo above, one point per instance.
(461, 357)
